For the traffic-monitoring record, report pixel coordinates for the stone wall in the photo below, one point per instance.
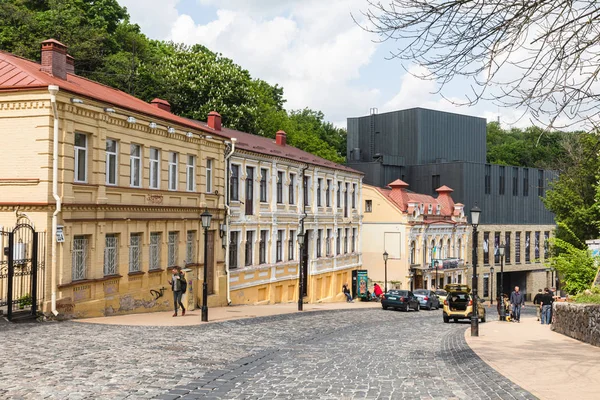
(579, 321)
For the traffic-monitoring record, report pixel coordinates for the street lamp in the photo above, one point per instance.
(205, 217)
(475, 213)
(492, 285)
(436, 264)
(385, 258)
(501, 297)
(300, 287)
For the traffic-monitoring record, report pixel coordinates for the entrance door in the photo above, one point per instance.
(210, 262)
(249, 190)
(305, 264)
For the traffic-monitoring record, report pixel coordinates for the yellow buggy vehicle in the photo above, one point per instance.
(459, 303)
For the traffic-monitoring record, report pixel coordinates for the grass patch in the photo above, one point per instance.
(588, 297)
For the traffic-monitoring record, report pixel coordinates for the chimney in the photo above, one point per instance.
(214, 120)
(399, 194)
(54, 58)
(162, 104)
(281, 138)
(70, 64)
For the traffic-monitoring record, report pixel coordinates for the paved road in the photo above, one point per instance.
(320, 355)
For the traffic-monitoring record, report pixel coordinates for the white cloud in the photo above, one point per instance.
(156, 20)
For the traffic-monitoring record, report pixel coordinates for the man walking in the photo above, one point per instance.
(517, 300)
(546, 302)
(537, 301)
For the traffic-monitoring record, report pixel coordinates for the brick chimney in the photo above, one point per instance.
(162, 104)
(399, 194)
(445, 200)
(54, 58)
(214, 120)
(70, 64)
(281, 138)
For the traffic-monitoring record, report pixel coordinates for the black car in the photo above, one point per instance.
(400, 299)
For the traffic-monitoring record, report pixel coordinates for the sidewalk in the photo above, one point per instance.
(547, 364)
(219, 314)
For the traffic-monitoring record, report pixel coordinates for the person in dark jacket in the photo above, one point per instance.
(546, 303)
(175, 282)
(537, 301)
(517, 301)
(346, 291)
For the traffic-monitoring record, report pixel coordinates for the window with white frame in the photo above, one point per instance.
(233, 249)
(80, 257)
(305, 190)
(263, 184)
(328, 194)
(338, 243)
(319, 238)
(262, 247)
(354, 240)
(135, 165)
(319, 186)
(279, 246)
(111, 246)
(248, 251)
(328, 243)
(279, 187)
(234, 183)
(155, 247)
(111, 162)
(173, 161)
(154, 168)
(292, 188)
(354, 195)
(191, 173)
(339, 195)
(173, 247)
(346, 231)
(209, 175)
(80, 157)
(291, 244)
(135, 252)
(190, 247)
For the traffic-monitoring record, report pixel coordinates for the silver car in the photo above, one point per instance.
(428, 299)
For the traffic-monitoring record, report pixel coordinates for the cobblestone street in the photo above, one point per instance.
(326, 355)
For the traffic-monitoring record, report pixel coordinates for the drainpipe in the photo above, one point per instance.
(53, 89)
(227, 217)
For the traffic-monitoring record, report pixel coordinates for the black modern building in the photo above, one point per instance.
(428, 149)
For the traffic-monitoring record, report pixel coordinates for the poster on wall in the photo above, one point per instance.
(362, 280)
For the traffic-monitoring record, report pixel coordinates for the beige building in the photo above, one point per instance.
(117, 183)
(418, 232)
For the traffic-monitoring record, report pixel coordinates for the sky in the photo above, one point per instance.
(313, 48)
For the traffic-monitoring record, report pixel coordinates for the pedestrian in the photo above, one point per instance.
(347, 293)
(177, 278)
(537, 301)
(517, 301)
(546, 303)
(377, 291)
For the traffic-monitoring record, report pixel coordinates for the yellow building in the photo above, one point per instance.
(417, 232)
(118, 184)
(274, 190)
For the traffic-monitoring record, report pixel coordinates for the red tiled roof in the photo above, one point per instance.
(17, 73)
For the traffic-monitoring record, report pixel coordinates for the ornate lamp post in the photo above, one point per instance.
(385, 258)
(205, 217)
(502, 250)
(300, 282)
(475, 213)
(436, 264)
(492, 285)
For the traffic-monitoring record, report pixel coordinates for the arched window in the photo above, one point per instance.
(412, 252)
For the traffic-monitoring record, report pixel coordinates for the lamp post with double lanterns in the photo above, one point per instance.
(385, 258)
(501, 297)
(205, 217)
(300, 281)
(475, 213)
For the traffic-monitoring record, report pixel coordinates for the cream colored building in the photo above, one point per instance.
(124, 181)
(417, 231)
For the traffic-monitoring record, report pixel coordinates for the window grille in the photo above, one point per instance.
(154, 250)
(110, 255)
(80, 255)
(190, 247)
(135, 244)
(172, 256)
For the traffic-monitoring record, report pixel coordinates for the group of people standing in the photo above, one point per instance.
(544, 302)
(512, 305)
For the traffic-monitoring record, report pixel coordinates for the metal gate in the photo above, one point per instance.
(21, 272)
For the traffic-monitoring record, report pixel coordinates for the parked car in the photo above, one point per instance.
(459, 304)
(441, 293)
(428, 299)
(401, 300)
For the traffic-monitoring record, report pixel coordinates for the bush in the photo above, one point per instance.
(588, 296)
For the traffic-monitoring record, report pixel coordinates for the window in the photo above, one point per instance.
(135, 165)
(173, 171)
(339, 195)
(262, 248)
(249, 202)
(305, 186)
(234, 182)
(459, 249)
(515, 181)
(496, 248)
(233, 249)
(486, 242)
(488, 179)
(354, 240)
(154, 168)
(502, 181)
(280, 187)
(291, 245)
(319, 186)
(154, 250)
(135, 252)
(111, 162)
(319, 236)
(486, 285)
(279, 246)
(111, 244)
(191, 173)
(80, 255)
(80, 157)
(527, 247)
(328, 243)
(353, 195)
(292, 188)
(507, 247)
(546, 244)
(525, 181)
(173, 249)
(346, 240)
(540, 182)
(248, 256)
(263, 184)
(517, 247)
(209, 175)
(328, 194)
(435, 183)
(190, 247)
(536, 244)
(368, 205)
(338, 247)
(346, 200)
